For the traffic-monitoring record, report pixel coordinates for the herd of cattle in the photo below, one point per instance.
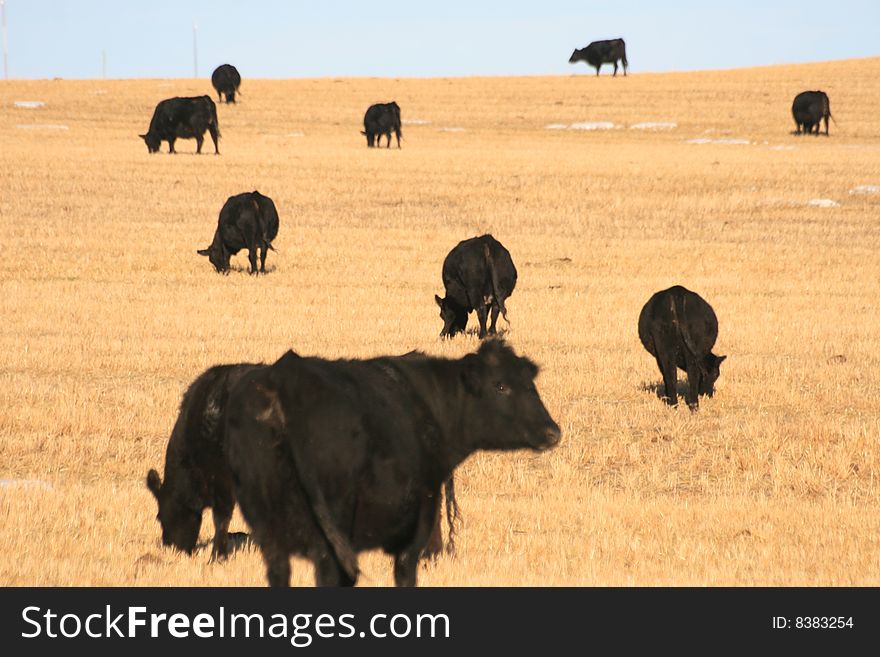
(328, 458)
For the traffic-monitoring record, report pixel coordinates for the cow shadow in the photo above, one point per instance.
(243, 269)
(681, 387)
(238, 542)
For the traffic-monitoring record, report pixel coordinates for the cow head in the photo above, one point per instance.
(453, 315)
(712, 367)
(180, 514)
(508, 412)
(218, 256)
(576, 56)
(152, 141)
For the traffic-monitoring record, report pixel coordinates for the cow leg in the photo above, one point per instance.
(388, 137)
(615, 69)
(482, 315)
(199, 141)
(397, 132)
(406, 562)
(670, 381)
(695, 377)
(277, 565)
(328, 572)
(597, 70)
(434, 547)
(222, 512)
(495, 311)
(214, 135)
(263, 259)
(171, 145)
(252, 259)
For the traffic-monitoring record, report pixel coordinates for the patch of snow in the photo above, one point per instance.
(823, 203)
(42, 126)
(555, 126)
(451, 130)
(654, 125)
(416, 122)
(593, 125)
(723, 140)
(29, 104)
(296, 133)
(865, 189)
(25, 483)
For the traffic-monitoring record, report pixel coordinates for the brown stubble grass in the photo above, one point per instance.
(108, 313)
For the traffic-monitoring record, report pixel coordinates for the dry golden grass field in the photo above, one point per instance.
(108, 313)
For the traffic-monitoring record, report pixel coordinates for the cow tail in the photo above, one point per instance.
(214, 117)
(495, 284)
(343, 550)
(623, 58)
(453, 513)
(682, 329)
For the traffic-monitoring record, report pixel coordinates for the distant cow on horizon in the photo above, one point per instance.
(182, 118)
(248, 220)
(226, 80)
(679, 328)
(602, 52)
(809, 109)
(382, 119)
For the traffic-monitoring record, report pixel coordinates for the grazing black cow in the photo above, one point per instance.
(182, 118)
(249, 221)
(382, 119)
(808, 110)
(478, 274)
(679, 329)
(334, 457)
(226, 80)
(196, 472)
(602, 52)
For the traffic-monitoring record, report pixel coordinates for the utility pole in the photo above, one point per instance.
(5, 40)
(195, 50)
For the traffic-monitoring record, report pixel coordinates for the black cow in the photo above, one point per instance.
(679, 329)
(196, 472)
(334, 457)
(382, 119)
(182, 118)
(602, 52)
(249, 221)
(226, 80)
(808, 110)
(478, 274)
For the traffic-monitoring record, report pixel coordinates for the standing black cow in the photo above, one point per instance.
(196, 472)
(808, 110)
(382, 119)
(226, 80)
(249, 221)
(478, 274)
(334, 457)
(602, 52)
(679, 329)
(182, 118)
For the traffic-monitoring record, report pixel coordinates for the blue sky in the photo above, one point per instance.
(275, 39)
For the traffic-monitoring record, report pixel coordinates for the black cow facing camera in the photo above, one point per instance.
(182, 118)
(382, 119)
(478, 275)
(679, 329)
(334, 457)
(248, 220)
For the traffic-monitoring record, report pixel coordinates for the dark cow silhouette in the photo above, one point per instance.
(602, 52)
(249, 221)
(809, 109)
(196, 473)
(478, 274)
(382, 119)
(334, 457)
(679, 329)
(182, 118)
(226, 80)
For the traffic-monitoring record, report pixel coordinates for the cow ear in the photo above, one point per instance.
(720, 360)
(144, 137)
(154, 483)
(438, 300)
(204, 252)
(472, 374)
